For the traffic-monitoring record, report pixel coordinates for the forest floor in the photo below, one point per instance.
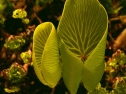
(49, 12)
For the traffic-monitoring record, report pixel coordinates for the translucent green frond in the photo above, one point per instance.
(83, 29)
(46, 54)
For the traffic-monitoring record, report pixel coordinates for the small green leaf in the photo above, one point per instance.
(83, 29)
(93, 67)
(82, 26)
(51, 66)
(72, 69)
(40, 37)
(38, 72)
(46, 54)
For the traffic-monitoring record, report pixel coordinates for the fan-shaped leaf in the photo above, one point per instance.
(40, 36)
(46, 54)
(51, 66)
(72, 69)
(94, 66)
(37, 71)
(82, 26)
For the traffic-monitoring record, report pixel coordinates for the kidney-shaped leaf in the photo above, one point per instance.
(46, 54)
(40, 36)
(72, 69)
(37, 71)
(82, 26)
(51, 66)
(94, 66)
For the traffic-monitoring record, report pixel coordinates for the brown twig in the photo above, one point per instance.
(111, 38)
(53, 89)
(117, 18)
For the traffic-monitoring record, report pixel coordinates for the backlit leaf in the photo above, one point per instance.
(72, 69)
(37, 71)
(94, 66)
(82, 25)
(46, 54)
(51, 66)
(83, 29)
(40, 36)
